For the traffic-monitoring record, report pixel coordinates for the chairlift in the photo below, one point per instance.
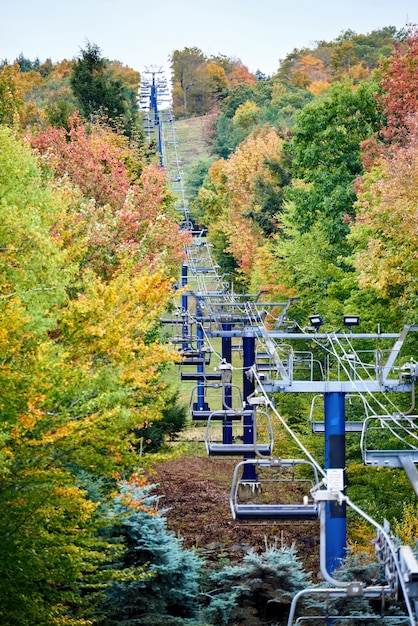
(263, 439)
(198, 356)
(210, 398)
(263, 499)
(387, 440)
(351, 426)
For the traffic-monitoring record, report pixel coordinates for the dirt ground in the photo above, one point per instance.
(195, 490)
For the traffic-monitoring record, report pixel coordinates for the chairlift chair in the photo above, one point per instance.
(386, 439)
(351, 426)
(260, 500)
(208, 399)
(260, 446)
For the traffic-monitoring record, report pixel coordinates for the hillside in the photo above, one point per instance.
(195, 490)
(191, 136)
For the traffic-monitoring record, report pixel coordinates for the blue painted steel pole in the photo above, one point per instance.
(200, 368)
(154, 107)
(336, 519)
(248, 345)
(227, 357)
(184, 309)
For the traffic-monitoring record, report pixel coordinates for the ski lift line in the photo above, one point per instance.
(254, 313)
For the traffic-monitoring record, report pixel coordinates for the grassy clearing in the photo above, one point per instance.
(192, 145)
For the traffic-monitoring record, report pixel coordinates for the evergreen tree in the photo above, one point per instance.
(168, 593)
(257, 592)
(100, 92)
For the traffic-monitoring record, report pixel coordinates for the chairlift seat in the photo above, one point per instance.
(191, 361)
(284, 512)
(228, 414)
(350, 427)
(237, 449)
(388, 458)
(202, 268)
(201, 376)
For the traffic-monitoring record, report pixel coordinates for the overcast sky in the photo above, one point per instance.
(140, 33)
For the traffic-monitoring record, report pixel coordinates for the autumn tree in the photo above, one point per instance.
(11, 95)
(345, 57)
(386, 231)
(199, 82)
(399, 91)
(185, 65)
(127, 205)
(83, 285)
(308, 71)
(228, 197)
(41, 507)
(241, 76)
(218, 80)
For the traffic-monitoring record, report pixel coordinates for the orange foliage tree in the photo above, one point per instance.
(229, 196)
(386, 231)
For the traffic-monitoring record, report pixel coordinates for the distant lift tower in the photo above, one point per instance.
(153, 90)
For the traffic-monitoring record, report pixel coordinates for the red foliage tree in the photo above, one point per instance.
(399, 99)
(125, 205)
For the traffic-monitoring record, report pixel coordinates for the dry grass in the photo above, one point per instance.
(191, 136)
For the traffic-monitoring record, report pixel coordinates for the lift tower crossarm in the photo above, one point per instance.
(411, 470)
(271, 348)
(395, 350)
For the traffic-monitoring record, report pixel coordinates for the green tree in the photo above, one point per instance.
(268, 201)
(257, 592)
(168, 594)
(326, 155)
(186, 66)
(99, 91)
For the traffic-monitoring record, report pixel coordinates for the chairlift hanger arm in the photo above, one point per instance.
(396, 349)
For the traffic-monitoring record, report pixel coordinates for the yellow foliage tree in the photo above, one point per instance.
(386, 231)
(230, 195)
